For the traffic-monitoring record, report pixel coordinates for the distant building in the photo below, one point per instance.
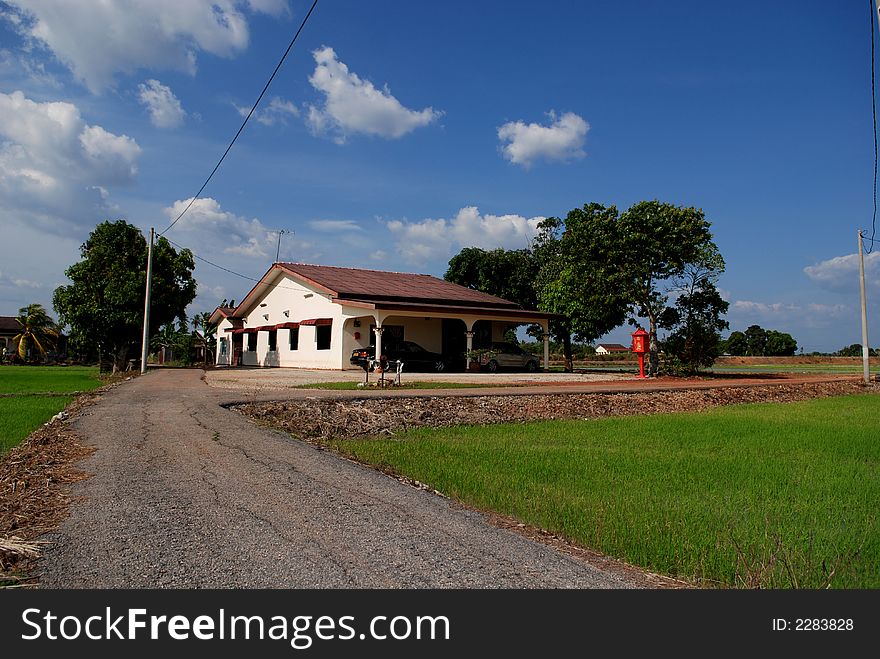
(609, 348)
(9, 328)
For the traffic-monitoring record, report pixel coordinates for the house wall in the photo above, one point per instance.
(300, 303)
(219, 358)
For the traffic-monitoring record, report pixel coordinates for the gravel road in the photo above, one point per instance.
(187, 494)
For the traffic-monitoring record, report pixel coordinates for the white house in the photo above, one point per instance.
(609, 348)
(313, 316)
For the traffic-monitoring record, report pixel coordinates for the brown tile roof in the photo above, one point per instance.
(9, 324)
(356, 283)
(428, 307)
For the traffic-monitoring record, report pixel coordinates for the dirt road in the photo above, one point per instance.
(188, 494)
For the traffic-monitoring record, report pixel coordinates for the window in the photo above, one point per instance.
(273, 340)
(294, 338)
(222, 346)
(252, 342)
(322, 337)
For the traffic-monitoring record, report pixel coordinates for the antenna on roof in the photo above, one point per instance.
(278, 251)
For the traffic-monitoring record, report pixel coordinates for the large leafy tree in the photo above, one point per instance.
(696, 318)
(508, 274)
(38, 332)
(104, 304)
(610, 265)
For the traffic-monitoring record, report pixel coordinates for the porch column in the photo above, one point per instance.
(546, 352)
(470, 346)
(378, 331)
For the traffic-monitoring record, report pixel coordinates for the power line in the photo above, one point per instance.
(873, 8)
(224, 269)
(244, 123)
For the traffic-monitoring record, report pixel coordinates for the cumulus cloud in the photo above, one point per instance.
(430, 239)
(216, 229)
(353, 105)
(165, 108)
(97, 39)
(561, 141)
(333, 226)
(810, 315)
(841, 273)
(276, 111)
(54, 167)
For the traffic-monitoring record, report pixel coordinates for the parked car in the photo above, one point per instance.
(508, 356)
(413, 356)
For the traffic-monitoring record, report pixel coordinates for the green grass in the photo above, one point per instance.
(772, 495)
(22, 415)
(406, 385)
(40, 379)
(31, 395)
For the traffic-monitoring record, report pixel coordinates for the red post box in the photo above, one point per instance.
(640, 347)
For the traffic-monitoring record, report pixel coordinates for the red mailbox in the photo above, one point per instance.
(640, 347)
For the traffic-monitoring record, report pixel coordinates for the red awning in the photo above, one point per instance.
(317, 321)
(264, 328)
(245, 330)
(286, 326)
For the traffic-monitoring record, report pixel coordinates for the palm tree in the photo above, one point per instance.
(207, 330)
(37, 328)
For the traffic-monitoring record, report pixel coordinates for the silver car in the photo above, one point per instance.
(508, 356)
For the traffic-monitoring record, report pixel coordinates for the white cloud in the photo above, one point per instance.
(432, 240)
(96, 39)
(333, 226)
(209, 226)
(277, 111)
(165, 108)
(788, 314)
(841, 273)
(561, 141)
(9, 281)
(54, 167)
(352, 105)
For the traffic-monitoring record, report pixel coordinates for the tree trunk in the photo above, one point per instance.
(566, 349)
(120, 359)
(654, 347)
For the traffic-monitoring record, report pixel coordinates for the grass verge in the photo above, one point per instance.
(23, 414)
(22, 411)
(42, 379)
(761, 495)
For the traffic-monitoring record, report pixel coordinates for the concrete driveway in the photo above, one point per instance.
(188, 494)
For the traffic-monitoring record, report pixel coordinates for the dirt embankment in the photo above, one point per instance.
(316, 418)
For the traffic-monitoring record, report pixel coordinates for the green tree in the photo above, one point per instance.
(38, 331)
(736, 344)
(696, 319)
(104, 304)
(610, 265)
(508, 274)
(756, 341)
(779, 344)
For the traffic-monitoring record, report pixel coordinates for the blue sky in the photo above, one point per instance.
(397, 133)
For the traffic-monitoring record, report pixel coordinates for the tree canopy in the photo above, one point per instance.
(759, 342)
(104, 304)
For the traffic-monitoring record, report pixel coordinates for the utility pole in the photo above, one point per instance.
(865, 352)
(145, 346)
(278, 251)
